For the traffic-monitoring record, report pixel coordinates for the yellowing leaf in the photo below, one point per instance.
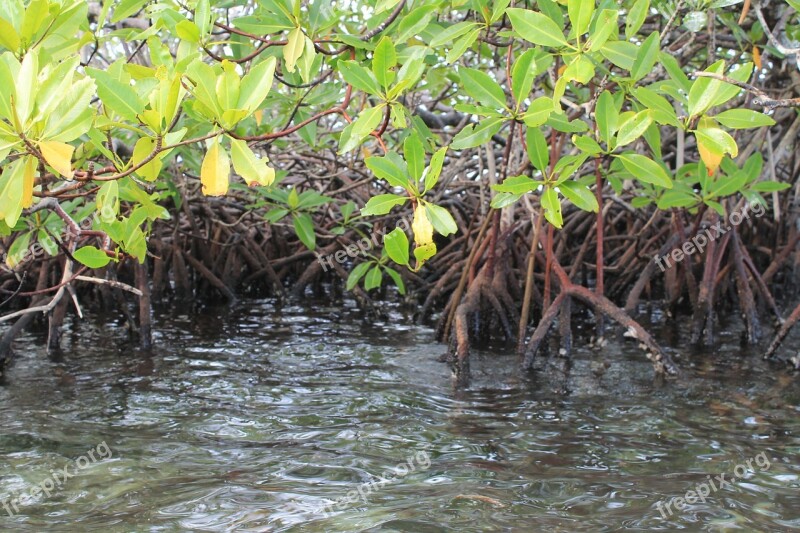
(11, 192)
(713, 143)
(254, 171)
(59, 156)
(144, 149)
(710, 156)
(422, 227)
(215, 171)
(293, 48)
(757, 57)
(27, 182)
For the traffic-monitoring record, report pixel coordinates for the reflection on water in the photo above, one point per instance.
(267, 419)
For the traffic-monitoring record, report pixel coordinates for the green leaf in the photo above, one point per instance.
(205, 82)
(560, 122)
(256, 85)
(483, 88)
(382, 204)
(202, 17)
(188, 31)
(522, 75)
(770, 186)
(504, 199)
(275, 214)
(453, 32)
(727, 90)
(477, 134)
(26, 86)
(373, 278)
(621, 53)
(126, 8)
(383, 62)
(646, 170)
(356, 274)
(35, 16)
(580, 14)
(118, 97)
(434, 170)
(646, 58)
(107, 201)
(391, 168)
(552, 207)
(607, 117)
(441, 219)
(359, 77)
(580, 195)
(704, 90)
(304, 228)
(538, 149)
(586, 144)
(536, 28)
(636, 17)
(395, 275)
(538, 112)
(633, 128)
(414, 22)
(663, 112)
(604, 27)
(424, 252)
(517, 185)
(743, 118)
(355, 132)
(581, 69)
(73, 116)
(461, 45)
(728, 185)
(396, 244)
(674, 70)
(415, 155)
(91, 257)
(20, 251)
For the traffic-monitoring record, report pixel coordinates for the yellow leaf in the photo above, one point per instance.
(757, 57)
(293, 48)
(710, 156)
(59, 156)
(27, 183)
(423, 230)
(215, 171)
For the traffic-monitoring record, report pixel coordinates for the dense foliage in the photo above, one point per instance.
(112, 112)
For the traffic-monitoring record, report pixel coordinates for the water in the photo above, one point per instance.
(255, 418)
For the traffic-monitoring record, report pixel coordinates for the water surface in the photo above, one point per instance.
(254, 418)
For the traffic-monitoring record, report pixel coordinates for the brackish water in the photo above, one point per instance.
(250, 418)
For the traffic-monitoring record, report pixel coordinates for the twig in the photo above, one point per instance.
(110, 283)
(761, 99)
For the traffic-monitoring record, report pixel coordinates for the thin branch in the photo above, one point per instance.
(761, 99)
